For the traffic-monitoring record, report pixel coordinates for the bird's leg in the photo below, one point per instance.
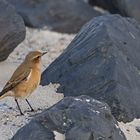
(29, 105)
(18, 107)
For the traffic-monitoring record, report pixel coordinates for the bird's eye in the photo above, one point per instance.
(38, 57)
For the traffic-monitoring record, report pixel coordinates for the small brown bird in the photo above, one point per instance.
(25, 79)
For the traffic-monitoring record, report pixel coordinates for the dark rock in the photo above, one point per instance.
(138, 128)
(105, 4)
(34, 131)
(128, 8)
(86, 1)
(12, 29)
(123, 7)
(59, 15)
(102, 61)
(81, 118)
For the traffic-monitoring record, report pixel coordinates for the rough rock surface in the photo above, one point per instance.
(35, 131)
(81, 118)
(105, 4)
(103, 62)
(12, 29)
(123, 7)
(138, 129)
(60, 15)
(128, 8)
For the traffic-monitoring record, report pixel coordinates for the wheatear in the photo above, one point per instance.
(25, 79)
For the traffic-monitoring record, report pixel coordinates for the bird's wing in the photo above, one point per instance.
(19, 75)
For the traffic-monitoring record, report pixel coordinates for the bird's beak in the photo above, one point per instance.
(44, 53)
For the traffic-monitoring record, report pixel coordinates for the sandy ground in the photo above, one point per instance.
(43, 97)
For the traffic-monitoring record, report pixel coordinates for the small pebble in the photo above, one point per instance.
(138, 128)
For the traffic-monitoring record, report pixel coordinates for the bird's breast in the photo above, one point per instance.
(33, 79)
(25, 88)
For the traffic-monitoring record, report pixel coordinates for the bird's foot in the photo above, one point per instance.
(32, 110)
(21, 114)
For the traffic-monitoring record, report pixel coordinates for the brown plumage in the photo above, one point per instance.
(25, 79)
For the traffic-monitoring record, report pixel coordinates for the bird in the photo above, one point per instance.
(25, 79)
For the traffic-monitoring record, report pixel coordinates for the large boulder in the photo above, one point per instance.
(34, 131)
(81, 118)
(59, 15)
(12, 29)
(105, 4)
(130, 8)
(102, 61)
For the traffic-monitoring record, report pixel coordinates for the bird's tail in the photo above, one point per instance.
(2, 95)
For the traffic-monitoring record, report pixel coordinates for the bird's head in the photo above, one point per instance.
(34, 57)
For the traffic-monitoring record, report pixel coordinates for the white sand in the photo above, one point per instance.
(129, 129)
(43, 97)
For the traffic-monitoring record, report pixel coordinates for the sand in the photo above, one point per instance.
(43, 97)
